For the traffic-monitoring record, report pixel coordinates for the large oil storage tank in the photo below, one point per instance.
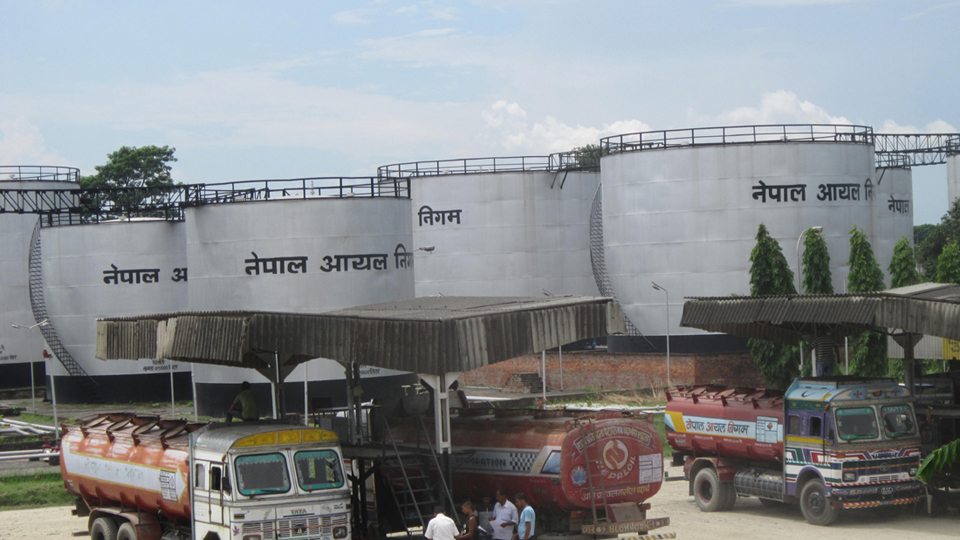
(892, 213)
(953, 175)
(306, 246)
(681, 208)
(20, 210)
(512, 226)
(134, 266)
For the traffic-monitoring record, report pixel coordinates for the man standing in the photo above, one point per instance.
(244, 406)
(504, 517)
(440, 527)
(527, 518)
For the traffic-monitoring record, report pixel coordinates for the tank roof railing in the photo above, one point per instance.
(38, 173)
(912, 149)
(560, 161)
(724, 135)
(59, 207)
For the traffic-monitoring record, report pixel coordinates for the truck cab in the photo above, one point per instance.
(849, 443)
(265, 482)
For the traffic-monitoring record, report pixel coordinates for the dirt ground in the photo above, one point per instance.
(749, 520)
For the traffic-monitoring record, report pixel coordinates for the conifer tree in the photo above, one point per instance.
(868, 356)
(816, 265)
(770, 274)
(903, 265)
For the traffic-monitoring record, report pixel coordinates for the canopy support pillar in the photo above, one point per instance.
(908, 341)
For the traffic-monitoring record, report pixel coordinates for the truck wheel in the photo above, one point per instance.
(710, 494)
(127, 532)
(729, 496)
(103, 528)
(815, 504)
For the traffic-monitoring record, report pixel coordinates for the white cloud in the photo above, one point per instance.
(21, 143)
(509, 129)
(925, 12)
(408, 10)
(354, 16)
(446, 14)
(937, 126)
(780, 107)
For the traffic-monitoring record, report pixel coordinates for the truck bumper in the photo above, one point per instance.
(871, 496)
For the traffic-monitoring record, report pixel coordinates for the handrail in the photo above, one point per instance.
(559, 161)
(38, 173)
(723, 135)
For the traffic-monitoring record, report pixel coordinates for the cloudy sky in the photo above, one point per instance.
(252, 90)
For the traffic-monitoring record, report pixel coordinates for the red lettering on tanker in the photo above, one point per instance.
(614, 431)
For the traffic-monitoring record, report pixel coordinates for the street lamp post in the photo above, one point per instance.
(33, 396)
(800, 289)
(659, 288)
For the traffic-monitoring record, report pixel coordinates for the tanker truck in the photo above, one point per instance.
(143, 478)
(828, 443)
(590, 473)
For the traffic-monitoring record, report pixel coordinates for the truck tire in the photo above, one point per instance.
(815, 504)
(103, 528)
(711, 494)
(127, 532)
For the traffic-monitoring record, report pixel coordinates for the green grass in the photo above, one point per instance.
(33, 491)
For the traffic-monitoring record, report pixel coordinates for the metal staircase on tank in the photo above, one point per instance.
(407, 475)
(37, 304)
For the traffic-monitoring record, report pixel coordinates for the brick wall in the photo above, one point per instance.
(600, 370)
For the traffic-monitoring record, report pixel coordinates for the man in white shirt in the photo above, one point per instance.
(504, 517)
(440, 527)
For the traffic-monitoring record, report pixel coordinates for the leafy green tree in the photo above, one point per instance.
(816, 265)
(903, 265)
(145, 169)
(868, 357)
(770, 274)
(935, 239)
(940, 459)
(948, 264)
(589, 156)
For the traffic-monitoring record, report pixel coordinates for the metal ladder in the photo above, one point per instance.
(595, 481)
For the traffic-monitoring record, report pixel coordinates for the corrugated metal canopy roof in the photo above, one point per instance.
(930, 309)
(425, 335)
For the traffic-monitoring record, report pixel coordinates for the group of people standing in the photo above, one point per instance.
(499, 525)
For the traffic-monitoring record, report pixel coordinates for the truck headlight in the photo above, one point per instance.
(849, 476)
(339, 532)
(913, 471)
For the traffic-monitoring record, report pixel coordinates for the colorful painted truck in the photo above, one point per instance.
(143, 478)
(560, 460)
(828, 443)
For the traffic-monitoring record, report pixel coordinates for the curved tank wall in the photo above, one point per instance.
(686, 218)
(310, 256)
(19, 347)
(107, 270)
(892, 213)
(953, 178)
(504, 233)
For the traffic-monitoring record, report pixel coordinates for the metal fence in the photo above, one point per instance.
(38, 173)
(59, 207)
(573, 160)
(724, 135)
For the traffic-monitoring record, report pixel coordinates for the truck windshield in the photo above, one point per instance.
(898, 421)
(858, 423)
(318, 469)
(262, 473)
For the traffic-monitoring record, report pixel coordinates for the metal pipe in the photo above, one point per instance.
(543, 386)
(193, 382)
(560, 349)
(173, 405)
(306, 395)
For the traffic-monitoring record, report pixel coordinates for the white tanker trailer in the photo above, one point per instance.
(143, 478)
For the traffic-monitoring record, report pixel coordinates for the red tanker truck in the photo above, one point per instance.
(568, 466)
(143, 478)
(828, 443)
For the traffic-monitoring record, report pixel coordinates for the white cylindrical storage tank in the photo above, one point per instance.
(953, 178)
(515, 226)
(298, 251)
(681, 208)
(892, 213)
(21, 348)
(112, 269)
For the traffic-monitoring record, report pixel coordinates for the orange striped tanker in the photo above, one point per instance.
(829, 443)
(560, 462)
(143, 478)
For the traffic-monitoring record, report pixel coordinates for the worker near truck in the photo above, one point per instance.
(504, 517)
(440, 527)
(244, 406)
(470, 530)
(527, 518)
